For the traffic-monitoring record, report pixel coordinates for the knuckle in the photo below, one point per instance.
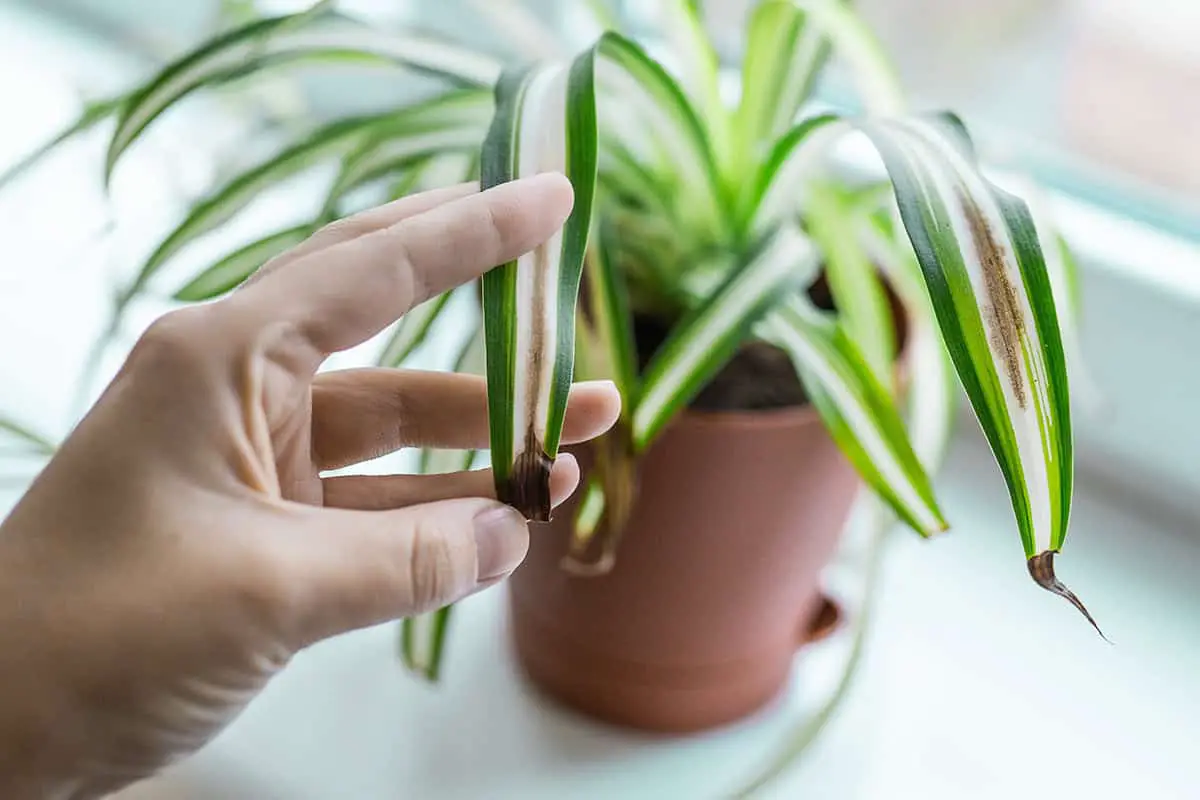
(441, 570)
(406, 283)
(262, 591)
(174, 339)
(341, 230)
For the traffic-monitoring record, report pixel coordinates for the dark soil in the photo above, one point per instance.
(760, 376)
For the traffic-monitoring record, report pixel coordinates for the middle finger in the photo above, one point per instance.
(361, 414)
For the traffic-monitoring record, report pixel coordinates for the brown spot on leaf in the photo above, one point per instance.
(1004, 322)
(1041, 569)
(528, 486)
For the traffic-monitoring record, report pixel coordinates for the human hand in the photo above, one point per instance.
(183, 544)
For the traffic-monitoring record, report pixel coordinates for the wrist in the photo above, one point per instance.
(39, 722)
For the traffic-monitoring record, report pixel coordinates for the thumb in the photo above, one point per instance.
(369, 567)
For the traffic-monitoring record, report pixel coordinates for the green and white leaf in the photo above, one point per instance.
(777, 193)
(784, 55)
(853, 41)
(612, 320)
(453, 123)
(700, 344)
(411, 331)
(93, 114)
(857, 409)
(25, 438)
(858, 294)
(589, 513)
(986, 274)
(648, 122)
(232, 270)
(545, 120)
(417, 126)
(698, 70)
(933, 390)
(318, 34)
(1063, 270)
(423, 642)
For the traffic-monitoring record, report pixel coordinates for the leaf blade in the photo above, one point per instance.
(784, 55)
(27, 437)
(232, 270)
(982, 263)
(314, 34)
(93, 114)
(412, 330)
(862, 305)
(415, 124)
(545, 119)
(699, 344)
(857, 410)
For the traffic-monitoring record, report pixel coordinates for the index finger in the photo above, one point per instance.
(344, 294)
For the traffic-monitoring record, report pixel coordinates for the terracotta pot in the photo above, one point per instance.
(716, 583)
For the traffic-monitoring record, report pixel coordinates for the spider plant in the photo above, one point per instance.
(712, 211)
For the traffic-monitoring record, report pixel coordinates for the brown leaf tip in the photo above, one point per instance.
(528, 486)
(1041, 569)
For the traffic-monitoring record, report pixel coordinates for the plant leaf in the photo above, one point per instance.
(774, 195)
(27, 437)
(455, 123)
(232, 270)
(698, 70)
(611, 318)
(933, 390)
(423, 637)
(862, 305)
(986, 275)
(653, 125)
(701, 343)
(412, 329)
(852, 39)
(423, 641)
(411, 124)
(316, 34)
(857, 410)
(784, 55)
(545, 120)
(93, 114)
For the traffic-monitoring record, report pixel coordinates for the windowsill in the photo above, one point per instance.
(966, 659)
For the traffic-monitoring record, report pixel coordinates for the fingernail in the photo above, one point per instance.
(604, 384)
(501, 539)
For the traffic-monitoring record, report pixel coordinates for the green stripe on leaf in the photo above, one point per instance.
(316, 34)
(857, 410)
(545, 120)
(232, 270)
(700, 344)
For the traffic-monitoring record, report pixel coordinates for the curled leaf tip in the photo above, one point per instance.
(528, 486)
(572, 564)
(1041, 569)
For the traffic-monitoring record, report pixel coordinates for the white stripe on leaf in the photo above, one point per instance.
(875, 439)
